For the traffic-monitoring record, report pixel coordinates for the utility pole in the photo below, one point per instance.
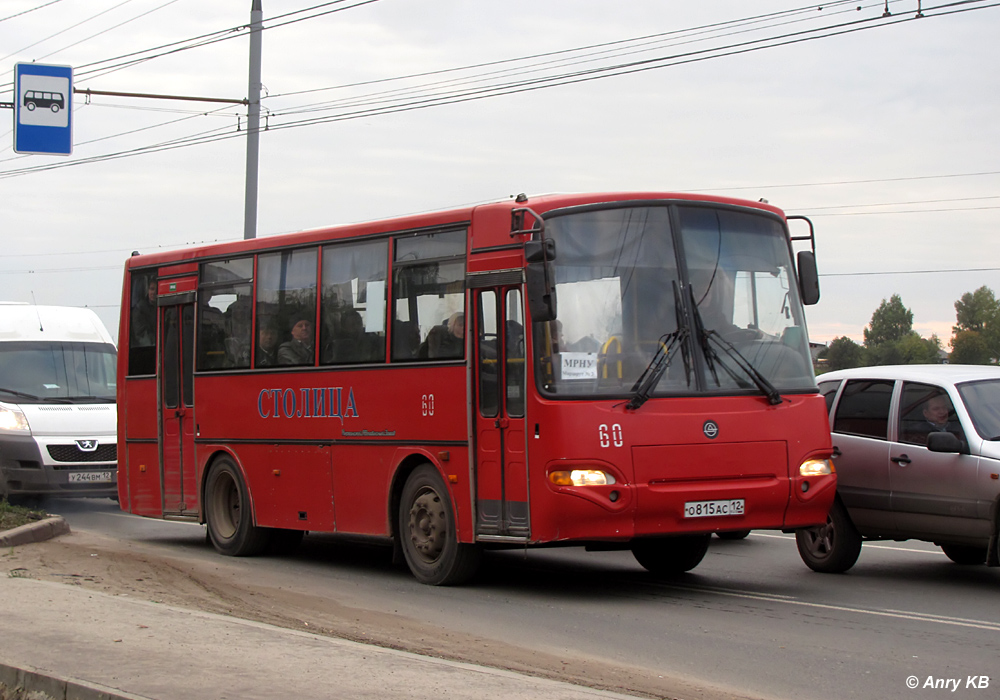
(253, 123)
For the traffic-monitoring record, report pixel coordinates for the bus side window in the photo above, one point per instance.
(353, 303)
(224, 314)
(286, 295)
(428, 285)
(142, 325)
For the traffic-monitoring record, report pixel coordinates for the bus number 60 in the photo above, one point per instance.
(614, 436)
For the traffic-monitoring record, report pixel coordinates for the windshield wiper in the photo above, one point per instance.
(712, 358)
(667, 347)
(32, 397)
(21, 394)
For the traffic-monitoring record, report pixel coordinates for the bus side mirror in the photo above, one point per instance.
(540, 279)
(808, 277)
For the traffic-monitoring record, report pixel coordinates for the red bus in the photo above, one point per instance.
(620, 371)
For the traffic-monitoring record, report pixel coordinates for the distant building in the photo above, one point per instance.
(815, 349)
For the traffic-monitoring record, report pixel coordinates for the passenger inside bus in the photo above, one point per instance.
(405, 339)
(267, 344)
(298, 350)
(352, 343)
(446, 340)
(143, 321)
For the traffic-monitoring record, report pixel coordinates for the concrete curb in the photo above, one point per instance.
(34, 532)
(18, 683)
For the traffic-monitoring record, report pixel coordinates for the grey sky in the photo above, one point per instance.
(887, 138)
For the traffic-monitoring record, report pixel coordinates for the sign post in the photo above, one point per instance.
(43, 109)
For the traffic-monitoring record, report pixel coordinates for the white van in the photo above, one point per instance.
(58, 418)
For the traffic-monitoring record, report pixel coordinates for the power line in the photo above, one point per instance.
(905, 211)
(909, 272)
(844, 182)
(24, 12)
(109, 29)
(63, 31)
(433, 100)
(137, 57)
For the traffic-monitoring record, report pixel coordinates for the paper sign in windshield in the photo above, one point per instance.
(578, 365)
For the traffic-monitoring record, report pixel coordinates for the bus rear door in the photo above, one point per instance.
(501, 464)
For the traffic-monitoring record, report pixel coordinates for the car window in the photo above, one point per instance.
(982, 401)
(924, 409)
(864, 408)
(829, 391)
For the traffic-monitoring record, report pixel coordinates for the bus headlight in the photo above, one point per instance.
(581, 477)
(12, 419)
(816, 467)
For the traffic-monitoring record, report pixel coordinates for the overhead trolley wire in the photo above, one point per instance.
(24, 12)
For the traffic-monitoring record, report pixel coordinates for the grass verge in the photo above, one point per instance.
(15, 516)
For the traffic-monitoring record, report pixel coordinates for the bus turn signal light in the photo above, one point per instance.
(581, 477)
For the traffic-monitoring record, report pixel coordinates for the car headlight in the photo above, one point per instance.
(816, 467)
(12, 419)
(581, 477)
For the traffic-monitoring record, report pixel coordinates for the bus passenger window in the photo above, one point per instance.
(428, 281)
(224, 313)
(142, 325)
(286, 297)
(353, 303)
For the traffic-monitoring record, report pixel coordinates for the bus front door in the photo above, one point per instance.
(177, 464)
(501, 464)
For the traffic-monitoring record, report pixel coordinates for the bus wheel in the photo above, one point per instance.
(964, 554)
(227, 511)
(832, 548)
(428, 534)
(670, 555)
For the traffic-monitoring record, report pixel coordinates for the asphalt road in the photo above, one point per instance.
(751, 616)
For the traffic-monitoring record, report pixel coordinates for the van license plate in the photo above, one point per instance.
(704, 509)
(91, 477)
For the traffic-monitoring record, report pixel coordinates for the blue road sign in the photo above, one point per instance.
(43, 109)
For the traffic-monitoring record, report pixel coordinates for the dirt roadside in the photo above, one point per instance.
(103, 564)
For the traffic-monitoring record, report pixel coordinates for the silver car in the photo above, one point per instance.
(917, 453)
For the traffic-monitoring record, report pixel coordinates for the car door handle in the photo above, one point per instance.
(901, 460)
(836, 452)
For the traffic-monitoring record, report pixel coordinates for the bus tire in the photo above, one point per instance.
(670, 555)
(428, 534)
(832, 548)
(227, 512)
(964, 554)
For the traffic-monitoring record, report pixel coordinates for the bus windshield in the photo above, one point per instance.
(711, 288)
(59, 372)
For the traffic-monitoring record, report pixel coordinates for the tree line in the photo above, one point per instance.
(889, 339)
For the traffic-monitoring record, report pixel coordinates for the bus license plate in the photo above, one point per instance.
(704, 509)
(90, 477)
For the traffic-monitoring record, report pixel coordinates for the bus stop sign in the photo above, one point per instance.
(43, 109)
